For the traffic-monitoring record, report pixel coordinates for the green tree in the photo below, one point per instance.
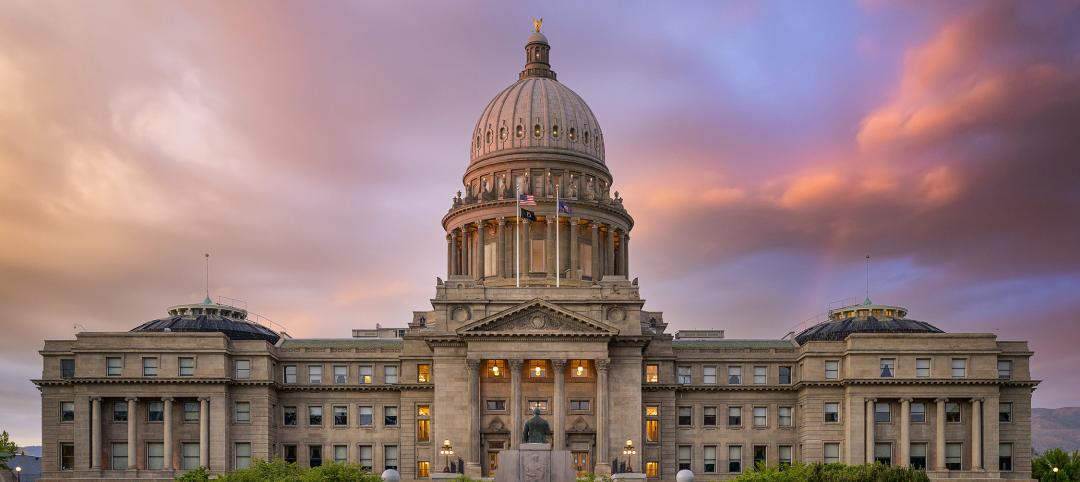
(8, 449)
(276, 470)
(339, 472)
(1068, 465)
(198, 475)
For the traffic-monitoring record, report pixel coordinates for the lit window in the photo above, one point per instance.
(519, 131)
(538, 369)
(652, 373)
(537, 131)
(555, 131)
(579, 368)
(652, 469)
(832, 412)
(684, 377)
(1004, 369)
(959, 367)
(652, 423)
(888, 367)
(572, 134)
(187, 366)
(922, 367)
(423, 423)
(495, 369)
(423, 373)
(541, 404)
(708, 375)
(502, 133)
(832, 370)
(882, 412)
(918, 412)
(367, 375)
(832, 453)
(243, 369)
(734, 375)
(423, 467)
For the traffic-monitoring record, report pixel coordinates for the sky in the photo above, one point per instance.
(763, 148)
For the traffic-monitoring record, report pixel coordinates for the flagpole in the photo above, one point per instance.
(517, 242)
(558, 265)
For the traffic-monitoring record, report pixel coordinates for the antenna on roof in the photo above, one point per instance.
(868, 277)
(207, 255)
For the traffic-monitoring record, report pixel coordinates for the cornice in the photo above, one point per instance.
(654, 387)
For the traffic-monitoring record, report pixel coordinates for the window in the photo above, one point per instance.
(367, 375)
(366, 457)
(954, 454)
(341, 454)
(882, 412)
(959, 367)
(883, 453)
(367, 416)
(831, 453)
(155, 456)
(652, 423)
(832, 370)
(652, 373)
(708, 416)
(918, 456)
(341, 415)
(390, 416)
(684, 457)
(390, 374)
(1005, 457)
(189, 456)
(760, 455)
(734, 458)
(290, 373)
(341, 374)
(652, 469)
(390, 457)
(314, 455)
(149, 366)
(832, 412)
(734, 375)
(67, 411)
(423, 373)
(118, 454)
(888, 367)
(785, 375)
(67, 456)
(242, 412)
(423, 423)
(555, 130)
(784, 416)
(423, 468)
(579, 405)
(191, 411)
(686, 416)
(67, 368)
(120, 413)
(314, 374)
(186, 366)
(709, 375)
(684, 377)
(288, 452)
(288, 416)
(922, 367)
(710, 458)
(155, 412)
(1005, 412)
(918, 412)
(579, 368)
(314, 416)
(114, 365)
(761, 375)
(734, 416)
(952, 412)
(784, 452)
(1004, 369)
(498, 405)
(243, 371)
(241, 455)
(538, 369)
(761, 416)
(536, 258)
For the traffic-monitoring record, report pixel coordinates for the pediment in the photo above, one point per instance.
(537, 318)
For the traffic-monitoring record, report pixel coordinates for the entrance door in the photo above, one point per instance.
(581, 462)
(492, 462)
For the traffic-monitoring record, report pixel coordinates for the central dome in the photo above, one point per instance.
(537, 114)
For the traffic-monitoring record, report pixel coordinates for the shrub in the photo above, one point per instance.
(834, 473)
(198, 475)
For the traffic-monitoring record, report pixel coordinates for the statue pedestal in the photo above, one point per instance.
(533, 462)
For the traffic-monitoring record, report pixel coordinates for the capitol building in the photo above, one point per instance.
(535, 311)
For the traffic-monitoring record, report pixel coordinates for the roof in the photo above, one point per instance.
(368, 344)
(838, 330)
(232, 328)
(732, 344)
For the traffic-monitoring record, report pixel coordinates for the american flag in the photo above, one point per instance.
(526, 200)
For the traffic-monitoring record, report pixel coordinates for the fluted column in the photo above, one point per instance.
(480, 240)
(559, 404)
(95, 429)
(905, 433)
(449, 255)
(132, 421)
(602, 455)
(500, 248)
(167, 436)
(939, 439)
(204, 432)
(515, 399)
(465, 250)
(976, 434)
(473, 367)
(609, 252)
(870, 430)
(596, 252)
(573, 248)
(549, 252)
(626, 255)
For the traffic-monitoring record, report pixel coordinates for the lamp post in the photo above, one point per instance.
(446, 450)
(18, 474)
(629, 452)
(1055, 470)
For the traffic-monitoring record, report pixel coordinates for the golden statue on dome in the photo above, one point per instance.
(537, 22)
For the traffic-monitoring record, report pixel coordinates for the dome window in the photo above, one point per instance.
(585, 137)
(520, 131)
(537, 131)
(555, 130)
(502, 133)
(488, 137)
(572, 134)
(478, 142)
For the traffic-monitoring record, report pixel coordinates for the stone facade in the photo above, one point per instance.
(534, 313)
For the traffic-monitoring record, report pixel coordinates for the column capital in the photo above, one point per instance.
(204, 399)
(871, 400)
(167, 399)
(131, 399)
(502, 220)
(472, 364)
(941, 399)
(515, 364)
(602, 364)
(906, 400)
(594, 225)
(95, 399)
(558, 363)
(550, 220)
(977, 400)
(480, 224)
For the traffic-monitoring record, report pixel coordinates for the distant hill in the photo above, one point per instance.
(33, 450)
(1055, 428)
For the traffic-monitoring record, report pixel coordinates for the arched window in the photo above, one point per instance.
(572, 134)
(488, 137)
(502, 133)
(478, 142)
(537, 131)
(555, 131)
(585, 137)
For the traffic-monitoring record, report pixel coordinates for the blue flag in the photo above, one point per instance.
(565, 208)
